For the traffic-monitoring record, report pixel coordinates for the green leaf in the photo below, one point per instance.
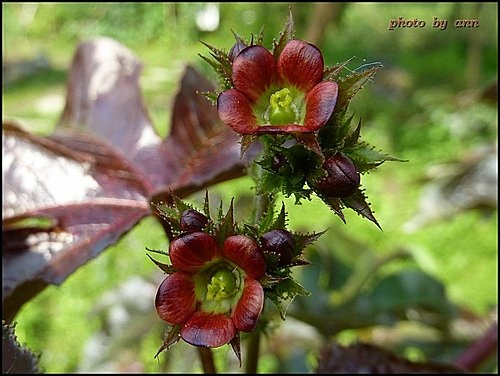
(411, 288)
(383, 301)
(284, 292)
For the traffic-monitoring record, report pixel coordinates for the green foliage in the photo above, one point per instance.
(283, 292)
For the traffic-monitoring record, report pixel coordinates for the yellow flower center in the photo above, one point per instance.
(222, 285)
(281, 107)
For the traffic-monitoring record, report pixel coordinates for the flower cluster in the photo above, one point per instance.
(220, 273)
(297, 107)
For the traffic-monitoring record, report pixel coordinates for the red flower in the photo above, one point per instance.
(286, 95)
(214, 292)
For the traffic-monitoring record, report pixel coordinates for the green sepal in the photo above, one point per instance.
(286, 35)
(212, 97)
(168, 269)
(300, 164)
(238, 38)
(358, 202)
(334, 204)
(365, 157)
(235, 345)
(352, 139)
(336, 133)
(221, 64)
(302, 240)
(283, 293)
(171, 213)
(351, 84)
(225, 226)
(172, 336)
(271, 223)
(299, 261)
(206, 206)
(333, 73)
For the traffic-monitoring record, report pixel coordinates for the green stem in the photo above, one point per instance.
(252, 354)
(261, 201)
(207, 359)
(261, 205)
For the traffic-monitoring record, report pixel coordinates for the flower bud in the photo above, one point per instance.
(235, 50)
(343, 178)
(192, 220)
(279, 243)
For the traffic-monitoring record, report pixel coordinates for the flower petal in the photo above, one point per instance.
(320, 103)
(301, 64)
(281, 129)
(249, 307)
(175, 300)
(235, 111)
(254, 69)
(208, 329)
(245, 253)
(192, 250)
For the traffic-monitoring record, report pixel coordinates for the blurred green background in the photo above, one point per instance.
(433, 103)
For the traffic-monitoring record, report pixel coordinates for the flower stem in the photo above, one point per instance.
(207, 359)
(261, 200)
(261, 205)
(252, 356)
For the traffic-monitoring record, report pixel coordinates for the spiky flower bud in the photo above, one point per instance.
(193, 220)
(280, 244)
(342, 177)
(235, 50)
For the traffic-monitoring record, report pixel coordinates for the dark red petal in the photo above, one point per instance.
(208, 329)
(320, 103)
(301, 64)
(235, 111)
(254, 69)
(281, 129)
(192, 250)
(175, 300)
(245, 253)
(249, 307)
